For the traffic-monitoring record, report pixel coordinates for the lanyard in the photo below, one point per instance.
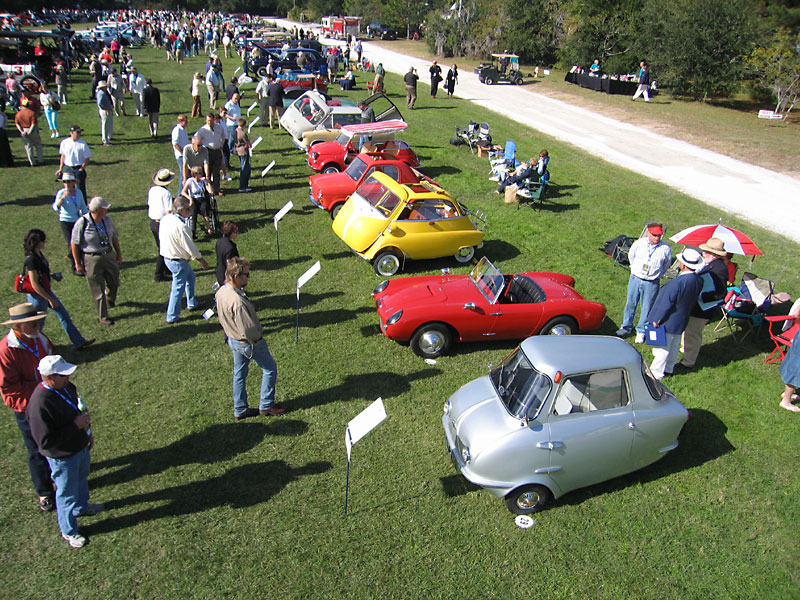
(65, 396)
(35, 350)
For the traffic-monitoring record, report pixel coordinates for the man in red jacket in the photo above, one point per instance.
(20, 353)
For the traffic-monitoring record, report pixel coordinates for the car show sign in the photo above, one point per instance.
(278, 216)
(300, 283)
(367, 420)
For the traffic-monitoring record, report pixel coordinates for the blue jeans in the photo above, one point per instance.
(639, 291)
(243, 353)
(71, 476)
(37, 464)
(231, 136)
(244, 170)
(52, 119)
(63, 317)
(182, 282)
(180, 172)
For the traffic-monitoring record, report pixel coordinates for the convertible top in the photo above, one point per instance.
(376, 128)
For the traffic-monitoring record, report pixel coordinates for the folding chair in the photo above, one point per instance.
(469, 134)
(746, 305)
(783, 339)
(502, 163)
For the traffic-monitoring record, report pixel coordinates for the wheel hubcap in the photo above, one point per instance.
(431, 342)
(388, 265)
(560, 330)
(528, 500)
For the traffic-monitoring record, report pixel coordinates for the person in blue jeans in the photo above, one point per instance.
(37, 271)
(239, 321)
(176, 246)
(61, 427)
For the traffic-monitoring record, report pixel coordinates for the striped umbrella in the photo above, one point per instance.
(735, 241)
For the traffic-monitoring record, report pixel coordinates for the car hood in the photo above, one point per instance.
(411, 293)
(326, 148)
(331, 183)
(478, 417)
(359, 224)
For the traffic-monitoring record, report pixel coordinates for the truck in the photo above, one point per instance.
(342, 28)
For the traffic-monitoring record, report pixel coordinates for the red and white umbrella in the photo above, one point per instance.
(735, 241)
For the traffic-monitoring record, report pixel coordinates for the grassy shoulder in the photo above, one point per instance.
(730, 127)
(203, 507)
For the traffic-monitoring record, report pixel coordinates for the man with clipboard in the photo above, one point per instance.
(671, 310)
(714, 275)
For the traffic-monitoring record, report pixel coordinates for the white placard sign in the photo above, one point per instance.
(251, 107)
(256, 143)
(306, 276)
(367, 420)
(279, 215)
(267, 168)
(236, 70)
(253, 122)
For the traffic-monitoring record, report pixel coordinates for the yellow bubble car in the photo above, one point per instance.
(387, 223)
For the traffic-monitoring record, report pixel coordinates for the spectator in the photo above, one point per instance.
(262, 96)
(70, 205)
(151, 98)
(197, 108)
(105, 108)
(410, 80)
(51, 106)
(75, 155)
(20, 352)
(197, 190)
(94, 237)
(232, 115)
(117, 89)
(377, 83)
(275, 101)
(790, 367)
(213, 85)
(436, 77)
(177, 248)
(451, 80)
(28, 126)
(180, 139)
(644, 83)
(348, 82)
(226, 249)
(212, 135)
(136, 85)
(61, 83)
(231, 89)
(242, 147)
(159, 204)
(195, 155)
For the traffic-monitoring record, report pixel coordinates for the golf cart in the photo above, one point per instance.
(503, 68)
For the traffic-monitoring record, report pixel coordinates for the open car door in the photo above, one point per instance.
(383, 107)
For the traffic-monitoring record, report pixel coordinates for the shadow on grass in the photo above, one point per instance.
(456, 485)
(239, 487)
(366, 386)
(28, 201)
(289, 301)
(335, 255)
(267, 265)
(216, 443)
(435, 172)
(725, 350)
(311, 320)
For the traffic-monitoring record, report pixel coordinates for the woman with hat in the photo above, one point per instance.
(105, 108)
(37, 272)
(197, 189)
(70, 206)
(197, 82)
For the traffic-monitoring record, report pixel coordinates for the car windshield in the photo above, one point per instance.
(343, 139)
(309, 109)
(378, 195)
(356, 169)
(488, 279)
(520, 386)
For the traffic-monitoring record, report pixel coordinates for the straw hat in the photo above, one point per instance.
(714, 246)
(23, 313)
(163, 177)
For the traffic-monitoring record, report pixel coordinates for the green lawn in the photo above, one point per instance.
(202, 507)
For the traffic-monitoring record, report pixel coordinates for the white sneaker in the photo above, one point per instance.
(640, 337)
(76, 541)
(227, 177)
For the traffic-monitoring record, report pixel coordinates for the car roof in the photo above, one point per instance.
(580, 353)
(378, 127)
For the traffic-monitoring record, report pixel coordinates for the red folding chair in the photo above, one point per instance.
(783, 339)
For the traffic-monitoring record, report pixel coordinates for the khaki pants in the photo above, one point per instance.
(692, 340)
(411, 96)
(33, 146)
(275, 111)
(102, 276)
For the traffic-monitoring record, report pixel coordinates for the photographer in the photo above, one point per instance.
(410, 80)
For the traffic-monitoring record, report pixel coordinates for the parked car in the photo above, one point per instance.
(333, 156)
(432, 312)
(330, 191)
(381, 31)
(313, 117)
(386, 222)
(560, 413)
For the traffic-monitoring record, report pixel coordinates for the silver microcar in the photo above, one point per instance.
(560, 413)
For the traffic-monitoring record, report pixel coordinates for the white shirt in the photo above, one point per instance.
(159, 202)
(175, 239)
(74, 152)
(648, 261)
(212, 138)
(136, 83)
(179, 138)
(234, 112)
(261, 89)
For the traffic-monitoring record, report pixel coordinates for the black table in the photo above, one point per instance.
(607, 85)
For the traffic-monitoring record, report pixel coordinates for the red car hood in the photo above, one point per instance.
(331, 184)
(414, 292)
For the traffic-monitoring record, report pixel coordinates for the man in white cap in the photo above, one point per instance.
(61, 427)
(159, 204)
(671, 309)
(714, 275)
(650, 257)
(94, 238)
(20, 353)
(105, 108)
(75, 155)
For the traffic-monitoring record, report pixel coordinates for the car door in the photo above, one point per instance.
(384, 108)
(591, 429)
(515, 321)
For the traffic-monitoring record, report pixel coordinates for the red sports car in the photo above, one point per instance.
(432, 312)
(331, 190)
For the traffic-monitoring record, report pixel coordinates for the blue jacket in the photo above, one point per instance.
(675, 301)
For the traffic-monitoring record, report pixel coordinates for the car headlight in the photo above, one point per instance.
(314, 155)
(465, 454)
(394, 318)
(447, 406)
(380, 287)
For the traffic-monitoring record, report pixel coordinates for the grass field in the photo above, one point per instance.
(203, 507)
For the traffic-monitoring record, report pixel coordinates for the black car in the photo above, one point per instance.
(381, 31)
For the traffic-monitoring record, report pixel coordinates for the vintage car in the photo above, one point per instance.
(432, 312)
(560, 413)
(333, 156)
(330, 191)
(386, 222)
(313, 117)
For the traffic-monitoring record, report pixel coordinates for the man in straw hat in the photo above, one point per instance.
(20, 353)
(105, 108)
(650, 257)
(671, 309)
(94, 238)
(159, 204)
(714, 275)
(61, 427)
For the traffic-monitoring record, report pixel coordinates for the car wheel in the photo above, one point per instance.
(465, 255)
(432, 340)
(528, 499)
(335, 209)
(559, 326)
(489, 81)
(330, 168)
(518, 81)
(386, 263)
(262, 71)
